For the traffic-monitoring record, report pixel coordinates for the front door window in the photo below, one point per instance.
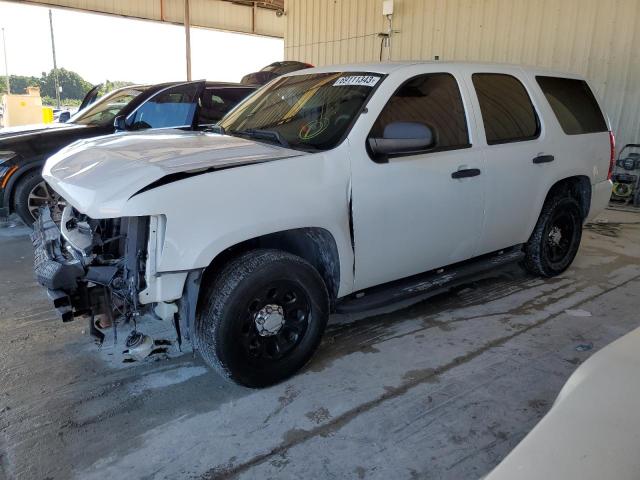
(173, 107)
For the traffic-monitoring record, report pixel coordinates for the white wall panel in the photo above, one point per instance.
(596, 38)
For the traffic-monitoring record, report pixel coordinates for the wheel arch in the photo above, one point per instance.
(314, 244)
(22, 172)
(578, 187)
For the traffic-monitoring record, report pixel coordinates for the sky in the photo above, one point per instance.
(101, 47)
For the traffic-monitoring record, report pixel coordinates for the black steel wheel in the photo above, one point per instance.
(274, 321)
(556, 237)
(559, 236)
(262, 317)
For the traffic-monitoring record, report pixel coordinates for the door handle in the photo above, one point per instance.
(466, 173)
(544, 159)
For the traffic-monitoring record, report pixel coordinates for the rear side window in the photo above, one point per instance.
(433, 100)
(574, 105)
(216, 102)
(507, 112)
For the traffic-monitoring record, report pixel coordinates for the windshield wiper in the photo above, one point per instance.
(263, 135)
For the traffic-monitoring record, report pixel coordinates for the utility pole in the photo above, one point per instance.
(6, 63)
(55, 65)
(187, 35)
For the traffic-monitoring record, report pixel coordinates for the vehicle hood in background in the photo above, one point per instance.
(99, 175)
(593, 429)
(9, 132)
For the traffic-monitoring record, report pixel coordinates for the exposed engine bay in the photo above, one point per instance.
(94, 268)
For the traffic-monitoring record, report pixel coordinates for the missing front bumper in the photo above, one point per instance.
(55, 272)
(52, 269)
(91, 267)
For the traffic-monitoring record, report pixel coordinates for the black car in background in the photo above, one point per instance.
(23, 150)
(273, 70)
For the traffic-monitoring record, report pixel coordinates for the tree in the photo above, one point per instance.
(109, 85)
(18, 83)
(73, 85)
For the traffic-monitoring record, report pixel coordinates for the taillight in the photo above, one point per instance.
(612, 158)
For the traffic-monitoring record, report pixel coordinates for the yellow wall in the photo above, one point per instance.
(596, 38)
(21, 110)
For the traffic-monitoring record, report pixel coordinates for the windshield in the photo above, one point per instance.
(307, 112)
(103, 111)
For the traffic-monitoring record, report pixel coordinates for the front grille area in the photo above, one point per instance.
(52, 269)
(94, 266)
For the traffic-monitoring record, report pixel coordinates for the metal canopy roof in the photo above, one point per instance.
(260, 17)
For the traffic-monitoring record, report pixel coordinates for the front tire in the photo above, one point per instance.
(31, 193)
(262, 317)
(556, 238)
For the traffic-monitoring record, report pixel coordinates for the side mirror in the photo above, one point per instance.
(64, 117)
(119, 123)
(401, 138)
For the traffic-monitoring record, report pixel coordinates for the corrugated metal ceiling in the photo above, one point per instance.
(232, 15)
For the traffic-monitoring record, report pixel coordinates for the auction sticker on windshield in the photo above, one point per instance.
(357, 80)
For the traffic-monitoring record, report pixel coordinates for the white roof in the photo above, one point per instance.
(389, 67)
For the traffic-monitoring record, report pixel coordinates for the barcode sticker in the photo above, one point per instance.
(357, 80)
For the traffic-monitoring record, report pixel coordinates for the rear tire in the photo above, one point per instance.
(556, 237)
(262, 317)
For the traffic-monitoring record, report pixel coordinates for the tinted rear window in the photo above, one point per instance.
(507, 112)
(574, 105)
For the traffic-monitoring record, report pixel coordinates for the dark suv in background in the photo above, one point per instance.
(273, 70)
(23, 150)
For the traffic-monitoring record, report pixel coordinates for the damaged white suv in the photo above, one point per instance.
(330, 189)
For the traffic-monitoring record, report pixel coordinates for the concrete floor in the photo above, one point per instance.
(443, 388)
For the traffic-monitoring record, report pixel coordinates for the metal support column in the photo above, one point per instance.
(6, 63)
(187, 36)
(55, 64)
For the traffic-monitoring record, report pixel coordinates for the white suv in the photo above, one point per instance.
(330, 189)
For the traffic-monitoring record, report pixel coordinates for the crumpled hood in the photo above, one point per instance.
(99, 175)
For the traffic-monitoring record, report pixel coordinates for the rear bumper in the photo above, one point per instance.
(600, 195)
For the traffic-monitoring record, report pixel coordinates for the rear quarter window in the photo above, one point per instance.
(573, 104)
